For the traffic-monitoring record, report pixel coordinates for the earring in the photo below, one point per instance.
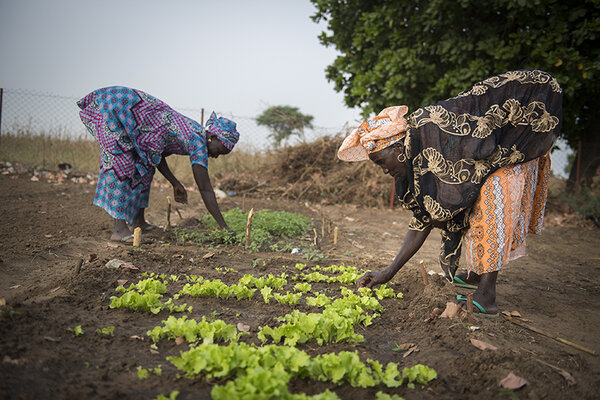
(401, 158)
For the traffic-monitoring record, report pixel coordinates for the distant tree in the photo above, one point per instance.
(284, 121)
(418, 52)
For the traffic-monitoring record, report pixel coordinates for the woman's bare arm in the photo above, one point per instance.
(208, 194)
(412, 243)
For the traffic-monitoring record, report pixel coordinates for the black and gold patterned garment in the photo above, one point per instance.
(452, 147)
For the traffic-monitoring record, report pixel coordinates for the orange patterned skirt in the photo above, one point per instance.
(511, 204)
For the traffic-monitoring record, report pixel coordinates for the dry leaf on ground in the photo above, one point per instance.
(481, 345)
(208, 255)
(452, 310)
(179, 340)
(513, 382)
(243, 327)
(568, 377)
(121, 282)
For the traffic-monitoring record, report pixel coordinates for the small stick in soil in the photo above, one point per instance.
(316, 238)
(244, 203)
(168, 223)
(335, 234)
(137, 237)
(424, 273)
(178, 213)
(249, 226)
(322, 226)
(79, 264)
(558, 339)
(470, 308)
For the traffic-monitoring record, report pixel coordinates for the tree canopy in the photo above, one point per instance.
(284, 122)
(418, 52)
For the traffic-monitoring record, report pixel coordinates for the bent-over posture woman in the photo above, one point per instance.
(476, 166)
(136, 132)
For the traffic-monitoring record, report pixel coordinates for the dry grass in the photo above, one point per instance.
(47, 151)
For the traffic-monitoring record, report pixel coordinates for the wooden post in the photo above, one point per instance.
(202, 117)
(168, 223)
(470, 308)
(1, 92)
(392, 194)
(137, 237)
(424, 273)
(335, 234)
(249, 226)
(578, 170)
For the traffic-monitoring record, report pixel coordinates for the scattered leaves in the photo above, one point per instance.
(452, 310)
(513, 382)
(481, 345)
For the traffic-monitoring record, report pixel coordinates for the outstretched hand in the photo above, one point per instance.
(371, 279)
(180, 194)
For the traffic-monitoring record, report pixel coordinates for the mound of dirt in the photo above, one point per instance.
(312, 172)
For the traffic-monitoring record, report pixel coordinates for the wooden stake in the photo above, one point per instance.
(168, 223)
(137, 237)
(249, 226)
(470, 308)
(335, 234)
(322, 226)
(393, 194)
(79, 264)
(558, 339)
(424, 273)
(316, 238)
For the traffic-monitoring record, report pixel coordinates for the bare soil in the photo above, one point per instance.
(49, 228)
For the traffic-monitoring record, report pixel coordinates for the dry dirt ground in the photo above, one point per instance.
(48, 228)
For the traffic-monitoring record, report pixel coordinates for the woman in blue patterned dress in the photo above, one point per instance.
(136, 132)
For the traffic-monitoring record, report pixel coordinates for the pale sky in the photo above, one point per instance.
(233, 56)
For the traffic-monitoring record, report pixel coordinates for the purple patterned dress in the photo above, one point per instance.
(133, 130)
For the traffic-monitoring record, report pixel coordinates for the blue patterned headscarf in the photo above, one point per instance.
(224, 129)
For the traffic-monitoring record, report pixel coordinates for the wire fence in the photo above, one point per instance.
(37, 113)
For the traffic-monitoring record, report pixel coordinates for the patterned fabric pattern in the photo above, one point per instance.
(118, 197)
(453, 146)
(511, 205)
(133, 130)
(374, 134)
(224, 129)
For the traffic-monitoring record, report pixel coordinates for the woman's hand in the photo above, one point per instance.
(180, 194)
(371, 279)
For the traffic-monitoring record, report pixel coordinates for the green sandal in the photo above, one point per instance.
(460, 283)
(482, 312)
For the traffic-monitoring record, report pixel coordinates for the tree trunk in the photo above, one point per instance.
(587, 156)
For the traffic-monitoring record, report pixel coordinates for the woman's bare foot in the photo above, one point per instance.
(140, 221)
(470, 278)
(146, 226)
(485, 295)
(121, 231)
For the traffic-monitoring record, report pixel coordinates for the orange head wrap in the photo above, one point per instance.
(375, 134)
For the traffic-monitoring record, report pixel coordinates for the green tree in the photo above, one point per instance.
(418, 52)
(284, 121)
